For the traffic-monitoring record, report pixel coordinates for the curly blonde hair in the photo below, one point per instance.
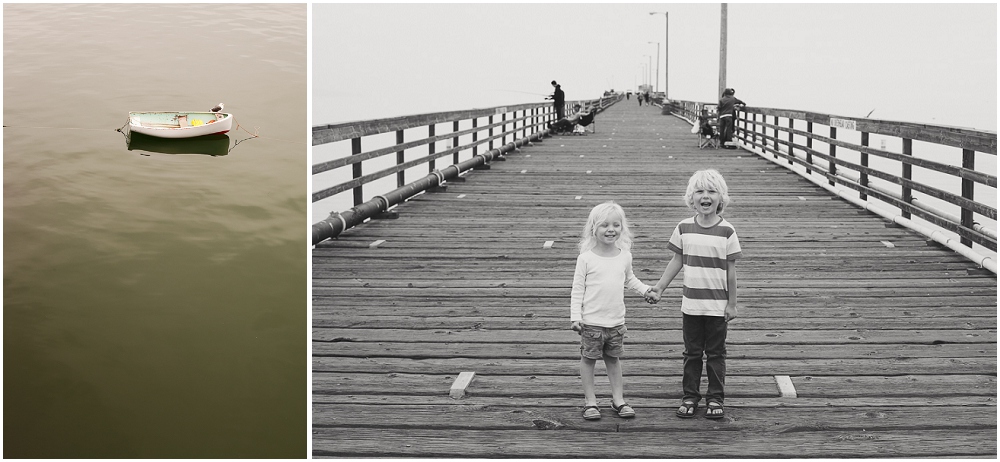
(588, 239)
(707, 179)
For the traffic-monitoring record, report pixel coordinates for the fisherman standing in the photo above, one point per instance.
(558, 100)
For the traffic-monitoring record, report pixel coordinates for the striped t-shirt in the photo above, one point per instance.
(705, 253)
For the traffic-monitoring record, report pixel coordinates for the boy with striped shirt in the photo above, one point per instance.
(707, 248)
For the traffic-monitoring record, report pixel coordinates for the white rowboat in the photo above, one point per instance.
(172, 124)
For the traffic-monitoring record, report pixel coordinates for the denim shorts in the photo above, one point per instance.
(597, 342)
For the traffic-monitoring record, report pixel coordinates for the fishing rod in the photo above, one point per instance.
(516, 91)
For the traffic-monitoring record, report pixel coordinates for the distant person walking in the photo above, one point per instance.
(558, 100)
(727, 116)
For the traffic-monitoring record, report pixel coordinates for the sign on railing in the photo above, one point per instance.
(843, 123)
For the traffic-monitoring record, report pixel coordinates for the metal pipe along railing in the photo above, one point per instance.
(338, 222)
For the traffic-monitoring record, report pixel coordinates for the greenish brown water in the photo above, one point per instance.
(155, 303)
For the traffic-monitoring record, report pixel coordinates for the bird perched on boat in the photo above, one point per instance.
(218, 108)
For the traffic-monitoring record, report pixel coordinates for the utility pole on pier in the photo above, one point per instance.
(666, 54)
(722, 55)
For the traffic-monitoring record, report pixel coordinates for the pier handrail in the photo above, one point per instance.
(529, 119)
(779, 133)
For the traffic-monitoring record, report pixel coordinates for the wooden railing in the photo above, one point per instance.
(484, 129)
(840, 151)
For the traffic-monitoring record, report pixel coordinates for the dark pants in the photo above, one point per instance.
(726, 128)
(704, 335)
(560, 110)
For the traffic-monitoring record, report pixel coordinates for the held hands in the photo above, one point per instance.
(652, 295)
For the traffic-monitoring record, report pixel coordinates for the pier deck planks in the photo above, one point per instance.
(891, 350)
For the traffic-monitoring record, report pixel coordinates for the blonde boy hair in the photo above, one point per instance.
(707, 179)
(588, 239)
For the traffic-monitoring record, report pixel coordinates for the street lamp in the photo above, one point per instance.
(657, 65)
(666, 52)
(650, 72)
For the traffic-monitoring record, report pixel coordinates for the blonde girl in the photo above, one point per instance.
(597, 305)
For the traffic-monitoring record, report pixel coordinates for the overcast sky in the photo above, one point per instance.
(933, 63)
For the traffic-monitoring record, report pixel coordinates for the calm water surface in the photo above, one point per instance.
(155, 304)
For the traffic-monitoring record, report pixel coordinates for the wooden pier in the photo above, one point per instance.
(855, 338)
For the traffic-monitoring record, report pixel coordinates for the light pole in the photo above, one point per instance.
(650, 72)
(722, 50)
(666, 52)
(657, 65)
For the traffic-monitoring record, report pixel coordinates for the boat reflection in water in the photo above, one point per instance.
(210, 145)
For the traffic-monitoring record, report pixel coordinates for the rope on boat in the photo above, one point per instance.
(62, 128)
(240, 127)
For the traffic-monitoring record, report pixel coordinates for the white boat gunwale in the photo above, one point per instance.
(179, 124)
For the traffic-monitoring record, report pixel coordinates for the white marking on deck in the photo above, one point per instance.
(524, 171)
(888, 244)
(579, 197)
(548, 244)
(785, 387)
(801, 198)
(461, 384)
(376, 243)
(461, 196)
(588, 172)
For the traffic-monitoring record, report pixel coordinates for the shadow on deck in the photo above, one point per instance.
(889, 343)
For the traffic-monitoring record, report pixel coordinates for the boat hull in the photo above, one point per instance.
(176, 124)
(212, 145)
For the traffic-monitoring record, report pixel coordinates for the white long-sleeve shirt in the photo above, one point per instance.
(598, 296)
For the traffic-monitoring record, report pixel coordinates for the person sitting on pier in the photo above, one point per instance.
(597, 305)
(709, 297)
(727, 116)
(584, 120)
(708, 135)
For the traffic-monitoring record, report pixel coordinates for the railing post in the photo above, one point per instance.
(757, 138)
(503, 129)
(809, 146)
(513, 126)
(864, 163)
(791, 140)
(907, 174)
(454, 142)
(430, 148)
(833, 156)
(968, 192)
(400, 158)
(774, 138)
(355, 150)
(491, 132)
(524, 123)
(534, 119)
(475, 136)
